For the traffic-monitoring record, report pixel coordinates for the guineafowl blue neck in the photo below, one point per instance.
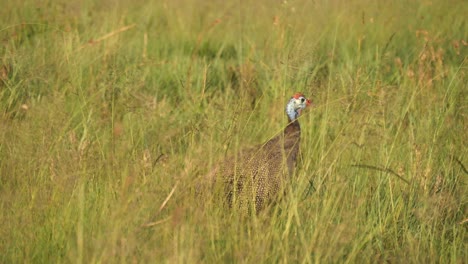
(290, 111)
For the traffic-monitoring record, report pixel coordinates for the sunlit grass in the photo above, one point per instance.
(112, 114)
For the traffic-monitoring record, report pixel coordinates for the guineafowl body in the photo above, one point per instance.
(254, 177)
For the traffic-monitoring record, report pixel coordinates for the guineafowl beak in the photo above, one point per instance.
(307, 103)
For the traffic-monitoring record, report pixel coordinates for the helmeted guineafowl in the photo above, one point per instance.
(254, 177)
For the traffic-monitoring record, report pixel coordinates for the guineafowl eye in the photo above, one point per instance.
(303, 99)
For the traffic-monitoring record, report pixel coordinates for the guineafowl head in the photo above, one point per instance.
(295, 106)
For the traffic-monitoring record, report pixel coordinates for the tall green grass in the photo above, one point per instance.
(112, 112)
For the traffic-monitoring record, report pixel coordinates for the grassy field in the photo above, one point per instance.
(112, 111)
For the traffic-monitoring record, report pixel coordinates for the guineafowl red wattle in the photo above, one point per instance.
(254, 177)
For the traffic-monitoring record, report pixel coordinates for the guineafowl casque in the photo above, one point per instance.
(253, 178)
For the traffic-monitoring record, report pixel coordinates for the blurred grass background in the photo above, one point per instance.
(112, 110)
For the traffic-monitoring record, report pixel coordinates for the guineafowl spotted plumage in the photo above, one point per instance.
(253, 177)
